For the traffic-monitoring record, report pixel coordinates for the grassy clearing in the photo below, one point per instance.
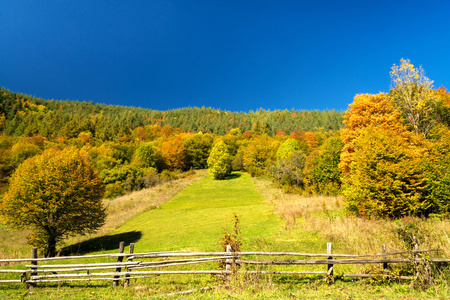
(123, 209)
(196, 218)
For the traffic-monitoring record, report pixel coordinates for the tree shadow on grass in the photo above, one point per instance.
(102, 243)
(233, 175)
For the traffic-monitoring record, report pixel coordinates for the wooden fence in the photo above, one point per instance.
(143, 265)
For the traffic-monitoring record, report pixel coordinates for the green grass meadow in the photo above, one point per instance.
(197, 217)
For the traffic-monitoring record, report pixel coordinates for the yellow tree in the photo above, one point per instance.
(368, 110)
(259, 154)
(55, 194)
(412, 93)
(386, 177)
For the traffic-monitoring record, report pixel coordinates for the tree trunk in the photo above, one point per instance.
(51, 246)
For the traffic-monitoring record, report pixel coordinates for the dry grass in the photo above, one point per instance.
(349, 234)
(292, 206)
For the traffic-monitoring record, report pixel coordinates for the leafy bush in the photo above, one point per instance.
(123, 179)
(22, 151)
(148, 155)
(288, 147)
(237, 164)
(117, 174)
(151, 178)
(114, 190)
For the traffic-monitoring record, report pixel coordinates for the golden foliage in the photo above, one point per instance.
(368, 111)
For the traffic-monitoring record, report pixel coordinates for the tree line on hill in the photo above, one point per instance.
(22, 115)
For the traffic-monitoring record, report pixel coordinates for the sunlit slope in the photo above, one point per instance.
(196, 218)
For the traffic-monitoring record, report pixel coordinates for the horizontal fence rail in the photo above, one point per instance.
(137, 265)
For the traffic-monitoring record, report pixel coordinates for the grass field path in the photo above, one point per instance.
(195, 219)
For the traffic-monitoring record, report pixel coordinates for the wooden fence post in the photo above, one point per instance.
(385, 264)
(127, 281)
(119, 259)
(330, 271)
(228, 263)
(34, 255)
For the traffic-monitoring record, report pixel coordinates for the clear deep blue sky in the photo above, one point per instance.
(233, 55)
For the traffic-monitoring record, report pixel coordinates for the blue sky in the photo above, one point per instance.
(233, 55)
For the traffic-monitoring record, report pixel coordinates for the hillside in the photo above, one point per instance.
(26, 115)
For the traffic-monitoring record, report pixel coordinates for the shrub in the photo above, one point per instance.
(237, 163)
(288, 147)
(219, 161)
(438, 172)
(151, 178)
(114, 190)
(22, 151)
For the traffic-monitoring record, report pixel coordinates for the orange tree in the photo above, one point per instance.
(365, 111)
(55, 194)
(174, 153)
